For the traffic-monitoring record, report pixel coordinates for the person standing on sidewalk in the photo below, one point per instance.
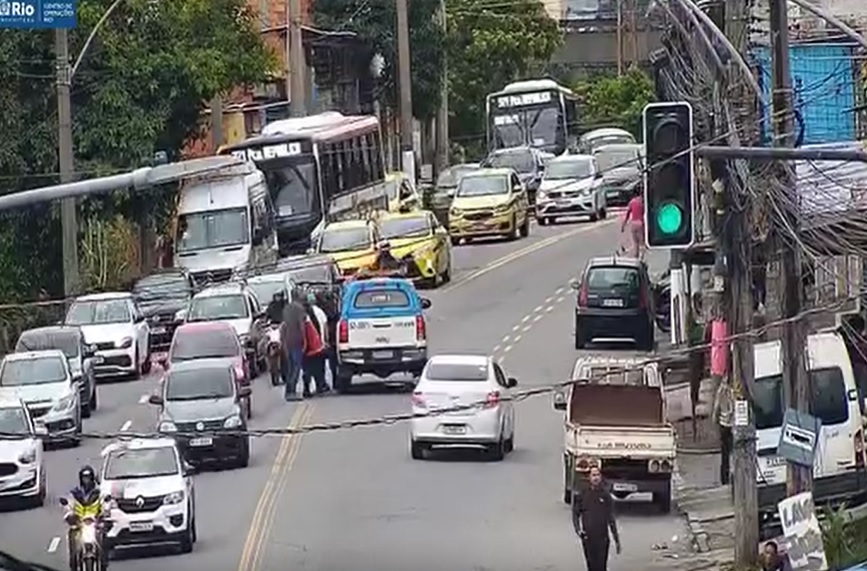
(593, 520)
(723, 411)
(292, 339)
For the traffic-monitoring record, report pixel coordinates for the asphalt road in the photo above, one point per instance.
(354, 499)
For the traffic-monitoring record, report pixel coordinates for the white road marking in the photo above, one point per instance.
(53, 544)
(525, 319)
(516, 327)
(505, 339)
(144, 399)
(518, 338)
(560, 299)
(528, 327)
(548, 300)
(557, 291)
(496, 348)
(126, 426)
(549, 309)
(538, 308)
(537, 318)
(507, 348)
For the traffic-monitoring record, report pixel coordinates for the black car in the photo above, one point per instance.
(160, 296)
(200, 401)
(528, 162)
(615, 303)
(81, 357)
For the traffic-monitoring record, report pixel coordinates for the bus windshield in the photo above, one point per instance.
(292, 184)
(538, 124)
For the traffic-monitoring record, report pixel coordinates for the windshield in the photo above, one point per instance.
(99, 312)
(453, 175)
(216, 307)
(611, 279)
(829, 401)
(67, 342)
(483, 186)
(572, 169)
(541, 124)
(200, 384)
(129, 463)
(13, 421)
(264, 290)
(198, 344)
(311, 274)
(292, 184)
(213, 229)
(39, 371)
(456, 372)
(521, 161)
(415, 227)
(381, 298)
(596, 142)
(345, 239)
(159, 287)
(616, 159)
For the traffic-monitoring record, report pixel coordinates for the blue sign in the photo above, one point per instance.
(799, 437)
(37, 14)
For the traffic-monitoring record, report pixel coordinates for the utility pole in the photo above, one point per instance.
(404, 80)
(442, 134)
(619, 37)
(68, 214)
(216, 122)
(296, 85)
(795, 382)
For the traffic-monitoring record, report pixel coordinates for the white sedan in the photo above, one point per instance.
(478, 390)
(22, 473)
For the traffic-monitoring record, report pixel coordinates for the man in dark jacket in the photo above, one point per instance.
(593, 519)
(292, 338)
(275, 307)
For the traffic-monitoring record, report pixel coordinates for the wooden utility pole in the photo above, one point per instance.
(793, 354)
(405, 77)
(68, 214)
(296, 78)
(442, 121)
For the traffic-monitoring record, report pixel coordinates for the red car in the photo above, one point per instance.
(210, 340)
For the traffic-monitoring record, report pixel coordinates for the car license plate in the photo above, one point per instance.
(454, 429)
(158, 330)
(206, 441)
(775, 461)
(620, 487)
(612, 303)
(140, 526)
(564, 203)
(383, 354)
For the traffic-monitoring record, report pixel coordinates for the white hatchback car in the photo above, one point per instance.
(114, 325)
(476, 382)
(152, 496)
(22, 473)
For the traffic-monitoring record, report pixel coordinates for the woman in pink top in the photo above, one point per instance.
(635, 220)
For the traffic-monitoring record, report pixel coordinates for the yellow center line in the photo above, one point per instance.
(252, 538)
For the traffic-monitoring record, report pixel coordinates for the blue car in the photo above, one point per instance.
(382, 330)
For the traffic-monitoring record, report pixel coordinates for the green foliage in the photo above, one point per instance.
(491, 44)
(837, 537)
(615, 101)
(375, 21)
(141, 87)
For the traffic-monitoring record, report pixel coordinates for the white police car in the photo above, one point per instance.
(152, 494)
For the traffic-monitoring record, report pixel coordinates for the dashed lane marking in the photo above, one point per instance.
(126, 426)
(53, 544)
(526, 324)
(535, 319)
(144, 399)
(516, 327)
(507, 348)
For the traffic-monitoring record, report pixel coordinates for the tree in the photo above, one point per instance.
(141, 87)
(376, 22)
(490, 45)
(615, 101)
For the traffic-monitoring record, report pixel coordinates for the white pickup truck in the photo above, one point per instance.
(615, 420)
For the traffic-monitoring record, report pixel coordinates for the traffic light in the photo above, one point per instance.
(669, 175)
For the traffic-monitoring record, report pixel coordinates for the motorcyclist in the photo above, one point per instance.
(86, 500)
(385, 260)
(275, 307)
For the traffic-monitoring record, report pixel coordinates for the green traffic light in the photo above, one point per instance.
(669, 218)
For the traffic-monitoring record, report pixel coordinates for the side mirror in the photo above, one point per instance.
(40, 431)
(156, 400)
(63, 501)
(244, 392)
(559, 401)
(139, 318)
(188, 469)
(575, 284)
(597, 175)
(261, 315)
(425, 303)
(512, 382)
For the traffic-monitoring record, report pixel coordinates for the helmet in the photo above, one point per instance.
(87, 478)
(385, 245)
(279, 296)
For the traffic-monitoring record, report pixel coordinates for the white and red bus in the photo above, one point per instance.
(313, 162)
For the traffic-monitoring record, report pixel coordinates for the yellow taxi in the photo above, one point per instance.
(419, 235)
(402, 194)
(350, 243)
(489, 202)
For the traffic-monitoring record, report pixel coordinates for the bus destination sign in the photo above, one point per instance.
(268, 152)
(507, 101)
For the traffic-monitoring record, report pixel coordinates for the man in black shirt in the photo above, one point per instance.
(593, 519)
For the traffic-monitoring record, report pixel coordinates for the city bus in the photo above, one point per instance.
(538, 113)
(312, 163)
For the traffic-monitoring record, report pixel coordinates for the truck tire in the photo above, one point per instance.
(663, 501)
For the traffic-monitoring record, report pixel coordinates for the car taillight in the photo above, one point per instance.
(420, 328)
(418, 400)
(859, 448)
(493, 399)
(343, 332)
(582, 295)
(239, 372)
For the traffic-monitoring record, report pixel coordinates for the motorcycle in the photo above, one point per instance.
(274, 353)
(88, 546)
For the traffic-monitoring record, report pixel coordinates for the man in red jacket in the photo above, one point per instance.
(315, 342)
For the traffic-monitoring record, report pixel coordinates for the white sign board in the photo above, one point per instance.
(268, 152)
(519, 100)
(802, 533)
(742, 413)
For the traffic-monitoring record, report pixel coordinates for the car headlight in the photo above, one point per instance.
(455, 211)
(540, 195)
(125, 343)
(233, 421)
(167, 426)
(28, 457)
(503, 208)
(173, 498)
(64, 403)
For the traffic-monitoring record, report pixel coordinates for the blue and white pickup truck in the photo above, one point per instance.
(382, 330)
